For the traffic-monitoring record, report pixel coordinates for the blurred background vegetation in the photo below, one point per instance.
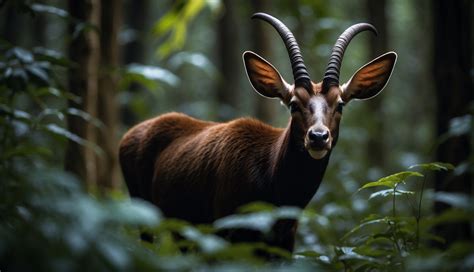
(75, 75)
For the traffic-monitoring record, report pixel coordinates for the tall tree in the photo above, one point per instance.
(12, 23)
(137, 20)
(229, 61)
(107, 163)
(378, 45)
(39, 27)
(454, 91)
(265, 108)
(84, 51)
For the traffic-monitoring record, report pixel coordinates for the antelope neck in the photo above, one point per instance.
(296, 176)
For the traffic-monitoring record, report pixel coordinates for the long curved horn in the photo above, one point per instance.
(331, 76)
(300, 72)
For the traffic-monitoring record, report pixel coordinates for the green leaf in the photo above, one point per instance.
(393, 180)
(198, 60)
(434, 166)
(57, 130)
(389, 192)
(134, 212)
(38, 72)
(348, 253)
(48, 112)
(192, 8)
(129, 78)
(207, 242)
(167, 245)
(65, 133)
(308, 253)
(154, 73)
(256, 207)
(256, 221)
(165, 23)
(51, 56)
(23, 55)
(378, 249)
(379, 241)
(287, 212)
(174, 25)
(41, 8)
(17, 114)
(261, 221)
(239, 251)
(51, 91)
(86, 116)
(384, 220)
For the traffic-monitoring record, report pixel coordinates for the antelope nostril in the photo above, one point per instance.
(317, 135)
(325, 135)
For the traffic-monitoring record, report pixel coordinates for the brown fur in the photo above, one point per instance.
(188, 157)
(201, 171)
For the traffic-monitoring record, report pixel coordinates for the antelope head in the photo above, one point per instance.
(316, 108)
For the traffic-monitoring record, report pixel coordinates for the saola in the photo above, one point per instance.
(201, 171)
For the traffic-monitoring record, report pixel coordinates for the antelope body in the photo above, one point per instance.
(201, 171)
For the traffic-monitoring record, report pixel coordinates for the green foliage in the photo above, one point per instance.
(54, 224)
(392, 181)
(434, 166)
(148, 76)
(41, 8)
(175, 23)
(257, 216)
(400, 242)
(48, 222)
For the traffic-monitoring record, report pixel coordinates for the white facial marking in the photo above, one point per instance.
(317, 155)
(319, 105)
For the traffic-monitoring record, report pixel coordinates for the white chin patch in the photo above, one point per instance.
(317, 154)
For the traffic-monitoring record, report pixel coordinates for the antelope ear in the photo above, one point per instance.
(370, 79)
(265, 79)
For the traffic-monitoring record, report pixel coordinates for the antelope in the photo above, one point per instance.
(201, 171)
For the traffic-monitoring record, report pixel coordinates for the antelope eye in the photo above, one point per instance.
(293, 107)
(340, 106)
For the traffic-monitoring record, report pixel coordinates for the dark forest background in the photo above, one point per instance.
(76, 75)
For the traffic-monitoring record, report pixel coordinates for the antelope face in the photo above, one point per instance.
(318, 115)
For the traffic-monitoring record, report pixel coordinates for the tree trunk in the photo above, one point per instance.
(12, 24)
(378, 46)
(39, 28)
(83, 77)
(107, 163)
(454, 89)
(229, 61)
(136, 14)
(265, 108)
